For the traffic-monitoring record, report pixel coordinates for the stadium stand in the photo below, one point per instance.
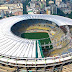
(67, 68)
(27, 53)
(6, 69)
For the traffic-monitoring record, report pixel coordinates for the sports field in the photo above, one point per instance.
(35, 35)
(41, 36)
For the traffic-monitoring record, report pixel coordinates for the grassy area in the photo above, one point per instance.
(40, 35)
(41, 41)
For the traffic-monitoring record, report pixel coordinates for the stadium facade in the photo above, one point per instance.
(27, 54)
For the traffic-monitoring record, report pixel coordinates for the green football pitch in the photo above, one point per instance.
(41, 36)
(36, 35)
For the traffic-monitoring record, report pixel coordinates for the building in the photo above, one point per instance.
(52, 9)
(36, 7)
(15, 9)
(48, 12)
(32, 4)
(51, 2)
(71, 1)
(2, 14)
(43, 0)
(66, 10)
(30, 11)
(62, 5)
(65, 7)
(39, 0)
(2, 1)
(57, 2)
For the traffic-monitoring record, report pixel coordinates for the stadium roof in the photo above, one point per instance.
(12, 45)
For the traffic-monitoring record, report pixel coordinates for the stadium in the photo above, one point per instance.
(35, 43)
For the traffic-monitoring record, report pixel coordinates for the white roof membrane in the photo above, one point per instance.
(12, 45)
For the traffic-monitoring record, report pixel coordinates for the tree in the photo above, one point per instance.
(47, 2)
(25, 2)
(69, 15)
(59, 12)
